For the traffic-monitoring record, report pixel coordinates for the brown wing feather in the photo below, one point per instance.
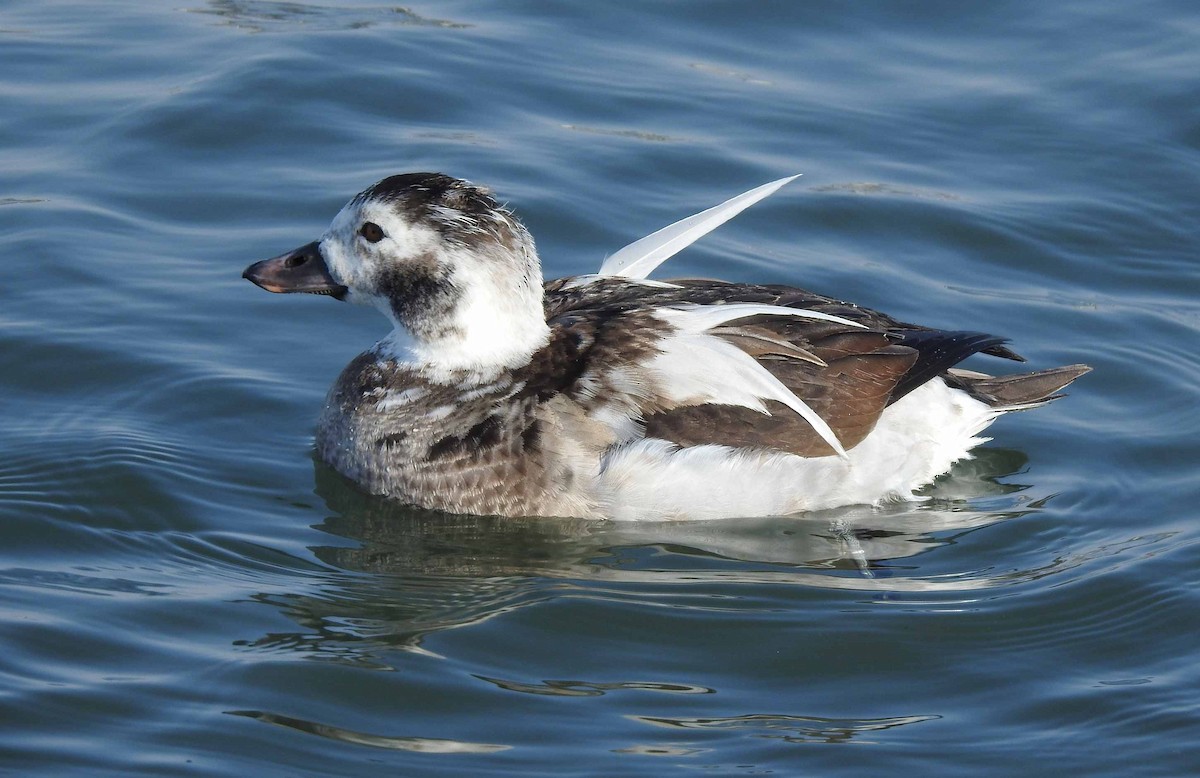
(848, 385)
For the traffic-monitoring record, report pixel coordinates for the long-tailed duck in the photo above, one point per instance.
(613, 396)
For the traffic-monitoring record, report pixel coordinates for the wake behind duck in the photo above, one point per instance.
(613, 396)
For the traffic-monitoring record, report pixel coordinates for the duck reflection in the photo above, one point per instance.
(402, 573)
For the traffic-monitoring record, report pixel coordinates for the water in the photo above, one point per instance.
(186, 593)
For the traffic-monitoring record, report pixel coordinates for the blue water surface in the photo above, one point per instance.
(185, 592)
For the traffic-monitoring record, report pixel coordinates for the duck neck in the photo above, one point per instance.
(496, 324)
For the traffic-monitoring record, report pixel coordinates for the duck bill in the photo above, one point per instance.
(302, 270)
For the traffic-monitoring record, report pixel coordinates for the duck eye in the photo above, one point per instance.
(371, 231)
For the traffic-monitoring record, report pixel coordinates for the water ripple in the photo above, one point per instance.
(794, 729)
(422, 745)
(593, 689)
(269, 15)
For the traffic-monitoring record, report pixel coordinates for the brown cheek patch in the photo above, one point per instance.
(421, 295)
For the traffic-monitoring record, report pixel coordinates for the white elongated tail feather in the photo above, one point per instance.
(697, 365)
(640, 258)
(577, 281)
(705, 317)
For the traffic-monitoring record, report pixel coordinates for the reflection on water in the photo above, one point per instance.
(408, 572)
(592, 689)
(420, 744)
(263, 15)
(795, 729)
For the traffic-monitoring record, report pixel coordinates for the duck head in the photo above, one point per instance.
(456, 273)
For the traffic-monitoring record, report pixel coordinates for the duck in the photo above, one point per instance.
(615, 396)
